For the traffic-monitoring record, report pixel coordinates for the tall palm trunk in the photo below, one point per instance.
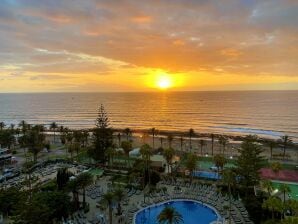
(75, 196)
(119, 140)
(119, 208)
(191, 176)
(230, 203)
(212, 145)
(84, 197)
(153, 138)
(181, 144)
(110, 214)
(54, 136)
(34, 157)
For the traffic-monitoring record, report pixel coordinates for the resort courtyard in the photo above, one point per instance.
(168, 190)
(103, 176)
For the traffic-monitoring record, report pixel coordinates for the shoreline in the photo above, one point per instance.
(140, 137)
(177, 134)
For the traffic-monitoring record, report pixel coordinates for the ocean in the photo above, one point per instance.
(265, 113)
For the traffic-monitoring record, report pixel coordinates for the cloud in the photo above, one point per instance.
(241, 37)
(141, 19)
(48, 77)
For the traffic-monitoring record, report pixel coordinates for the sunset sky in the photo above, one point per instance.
(141, 45)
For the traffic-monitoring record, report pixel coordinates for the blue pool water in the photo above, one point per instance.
(207, 175)
(192, 212)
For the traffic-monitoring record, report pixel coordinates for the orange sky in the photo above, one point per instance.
(129, 45)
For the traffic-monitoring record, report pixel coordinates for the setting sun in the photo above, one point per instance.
(164, 82)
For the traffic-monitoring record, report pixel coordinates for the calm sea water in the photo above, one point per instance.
(266, 113)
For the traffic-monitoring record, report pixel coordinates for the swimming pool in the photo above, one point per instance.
(207, 175)
(193, 212)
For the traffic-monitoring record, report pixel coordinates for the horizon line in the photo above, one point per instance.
(161, 91)
(167, 91)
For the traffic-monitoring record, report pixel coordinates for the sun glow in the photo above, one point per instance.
(164, 82)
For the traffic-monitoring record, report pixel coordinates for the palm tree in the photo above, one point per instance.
(119, 139)
(28, 170)
(85, 135)
(219, 161)
(191, 164)
(170, 140)
(61, 129)
(212, 143)
(23, 125)
(35, 141)
(2, 125)
(108, 199)
(161, 142)
(84, 180)
(276, 167)
(273, 204)
(267, 184)
(271, 144)
(146, 154)
(284, 189)
(153, 133)
(54, 126)
(292, 205)
(128, 133)
(181, 143)
(111, 152)
(127, 147)
(191, 133)
(285, 141)
(202, 144)
(119, 195)
(73, 186)
(290, 220)
(69, 140)
(72, 147)
(229, 178)
(223, 141)
(169, 215)
(168, 154)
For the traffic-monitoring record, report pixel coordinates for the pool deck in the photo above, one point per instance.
(196, 192)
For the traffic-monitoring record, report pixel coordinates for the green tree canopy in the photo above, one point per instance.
(191, 164)
(108, 199)
(102, 136)
(34, 139)
(273, 204)
(219, 161)
(169, 154)
(249, 163)
(126, 146)
(44, 208)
